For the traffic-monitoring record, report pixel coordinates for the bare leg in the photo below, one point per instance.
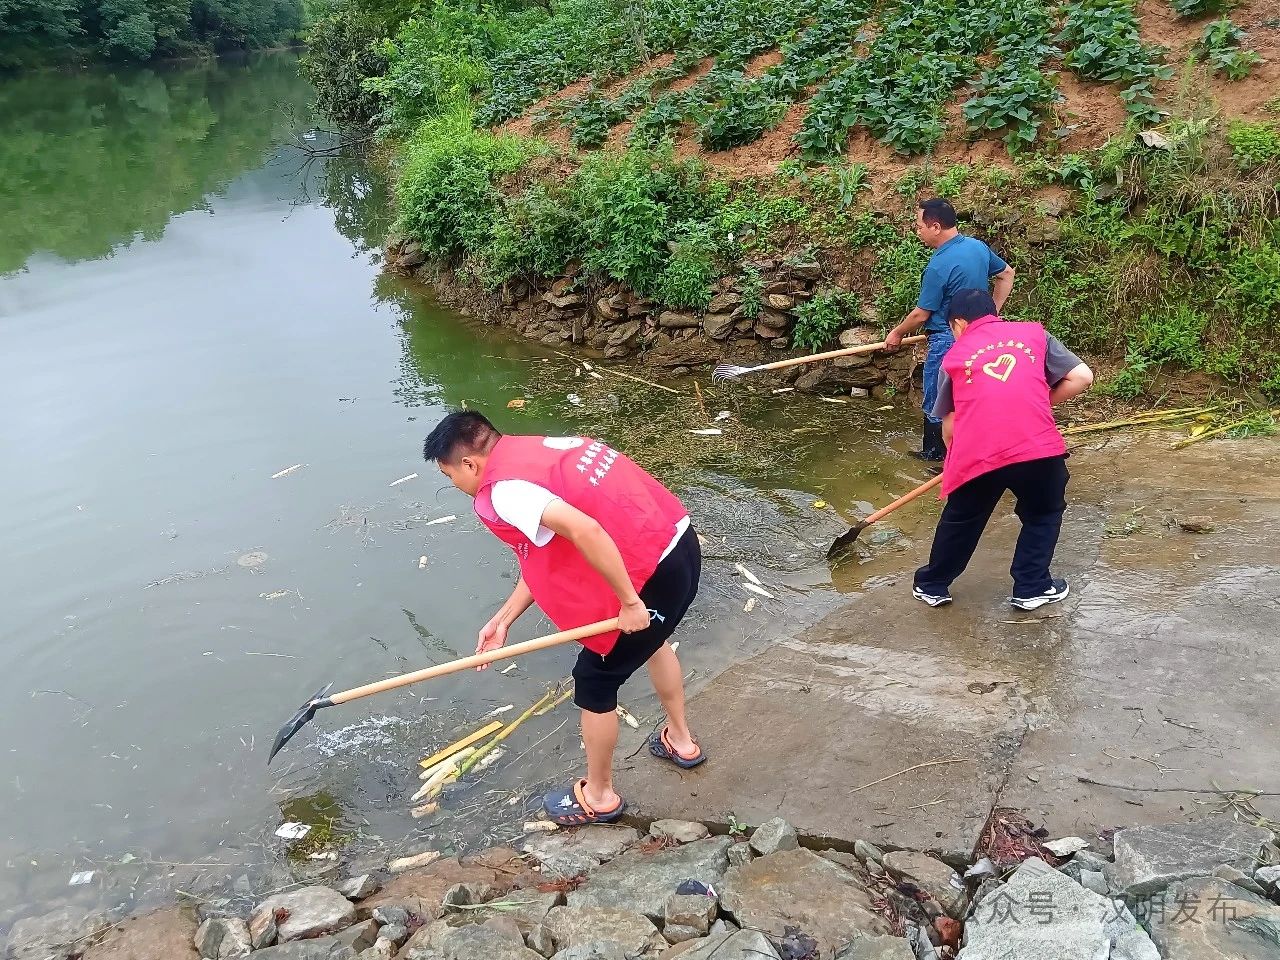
(668, 681)
(600, 734)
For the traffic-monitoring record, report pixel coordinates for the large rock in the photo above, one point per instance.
(1041, 914)
(221, 937)
(678, 319)
(306, 913)
(322, 948)
(682, 831)
(593, 951)
(798, 888)
(774, 836)
(483, 942)
(933, 877)
(163, 935)
(1210, 919)
(695, 910)
(740, 945)
(421, 892)
(527, 908)
(876, 948)
(357, 888)
(718, 326)
(859, 336)
(642, 883)
(50, 935)
(576, 926)
(1148, 859)
(572, 852)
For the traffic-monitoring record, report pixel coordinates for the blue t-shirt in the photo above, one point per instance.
(962, 263)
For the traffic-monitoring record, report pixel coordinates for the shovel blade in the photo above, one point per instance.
(301, 719)
(845, 541)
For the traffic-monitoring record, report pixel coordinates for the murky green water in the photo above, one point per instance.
(189, 309)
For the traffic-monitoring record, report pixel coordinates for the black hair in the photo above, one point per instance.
(940, 212)
(465, 431)
(971, 304)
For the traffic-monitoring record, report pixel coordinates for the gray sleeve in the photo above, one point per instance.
(1058, 361)
(945, 404)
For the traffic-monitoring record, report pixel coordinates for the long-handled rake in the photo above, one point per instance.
(323, 698)
(728, 371)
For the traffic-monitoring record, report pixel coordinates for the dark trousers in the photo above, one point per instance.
(1040, 487)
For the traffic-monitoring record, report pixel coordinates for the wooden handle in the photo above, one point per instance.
(832, 354)
(904, 499)
(476, 660)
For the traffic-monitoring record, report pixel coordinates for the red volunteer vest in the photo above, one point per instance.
(1002, 408)
(634, 508)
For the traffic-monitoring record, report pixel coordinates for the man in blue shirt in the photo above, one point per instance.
(958, 263)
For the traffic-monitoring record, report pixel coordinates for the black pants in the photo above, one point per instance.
(668, 594)
(1040, 487)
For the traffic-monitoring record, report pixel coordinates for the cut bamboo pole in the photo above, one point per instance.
(460, 745)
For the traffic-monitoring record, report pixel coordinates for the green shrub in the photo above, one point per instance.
(821, 317)
(751, 283)
(1174, 334)
(1132, 379)
(900, 263)
(1201, 8)
(447, 197)
(1220, 45)
(1253, 279)
(693, 267)
(1254, 143)
(952, 182)
(344, 52)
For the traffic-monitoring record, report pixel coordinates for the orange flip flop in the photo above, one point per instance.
(569, 807)
(660, 746)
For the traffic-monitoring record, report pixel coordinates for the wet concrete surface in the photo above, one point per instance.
(1157, 677)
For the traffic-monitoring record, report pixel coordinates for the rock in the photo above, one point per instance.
(682, 831)
(692, 910)
(223, 937)
(50, 935)
(1240, 879)
(468, 895)
(808, 270)
(779, 301)
(741, 853)
(395, 933)
(718, 326)
(1209, 919)
(485, 943)
(810, 380)
(564, 301)
(263, 931)
(573, 852)
(411, 255)
(724, 302)
(643, 882)
(421, 892)
(390, 916)
(574, 926)
(852, 362)
(606, 950)
(678, 319)
(1148, 859)
(773, 320)
(865, 851)
(1040, 913)
(163, 935)
(527, 908)
(507, 926)
(609, 310)
(383, 949)
(357, 888)
(933, 877)
(1096, 881)
(323, 948)
(309, 912)
(846, 860)
(1197, 524)
(859, 336)
(773, 836)
(741, 945)
(679, 933)
(624, 333)
(360, 936)
(876, 948)
(539, 939)
(799, 888)
(1267, 877)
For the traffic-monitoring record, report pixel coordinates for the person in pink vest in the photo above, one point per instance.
(996, 392)
(595, 537)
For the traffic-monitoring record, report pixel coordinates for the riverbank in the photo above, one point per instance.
(1208, 888)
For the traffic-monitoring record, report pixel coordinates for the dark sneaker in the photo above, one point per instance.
(1057, 591)
(932, 599)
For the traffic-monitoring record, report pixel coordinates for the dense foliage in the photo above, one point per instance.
(35, 32)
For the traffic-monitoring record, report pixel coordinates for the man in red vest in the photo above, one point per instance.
(595, 537)
(996, 393)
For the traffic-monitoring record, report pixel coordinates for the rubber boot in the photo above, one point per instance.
(934, 450)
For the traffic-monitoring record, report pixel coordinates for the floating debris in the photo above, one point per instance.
(435, 759)
(516, 404)
(395, 483)
(426, 810)
(748, 574)
(499, 711)
(751, 605)
(574, 399)
(448, 519)
(819, 504)
(785, 390)
(287, 470)
(505, 670)
(540, 826)
(627, 717)
(275, 594)
(708, 432)
(80, 879)
(760, 590)
(412, 863)
(292, 831)
(422, 563)
(255, 558)
(723, 415)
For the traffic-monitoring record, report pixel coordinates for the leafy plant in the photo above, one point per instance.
(821, 317)
(1172, 334)
(1015, 97)
(1132, 378)
(1254, 144)
(1220, 45)
(1200, 8)
(693, 267)
(1105, 45)
(952, 182)
(751, 285)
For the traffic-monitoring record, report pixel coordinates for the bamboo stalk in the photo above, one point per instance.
(1215, 431)
(459, 745)
(480, 753)
(628, 376)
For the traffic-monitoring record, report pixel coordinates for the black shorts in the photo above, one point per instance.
(669, 591)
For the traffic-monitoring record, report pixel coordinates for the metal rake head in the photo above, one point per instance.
(729, 371)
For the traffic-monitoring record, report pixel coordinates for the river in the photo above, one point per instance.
(209, 388)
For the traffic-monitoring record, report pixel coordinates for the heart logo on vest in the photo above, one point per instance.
(1001, 367)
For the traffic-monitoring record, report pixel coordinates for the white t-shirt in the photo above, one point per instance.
(521, 504)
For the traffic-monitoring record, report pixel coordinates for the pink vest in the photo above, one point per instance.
(634, 508)
(1002, 408)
